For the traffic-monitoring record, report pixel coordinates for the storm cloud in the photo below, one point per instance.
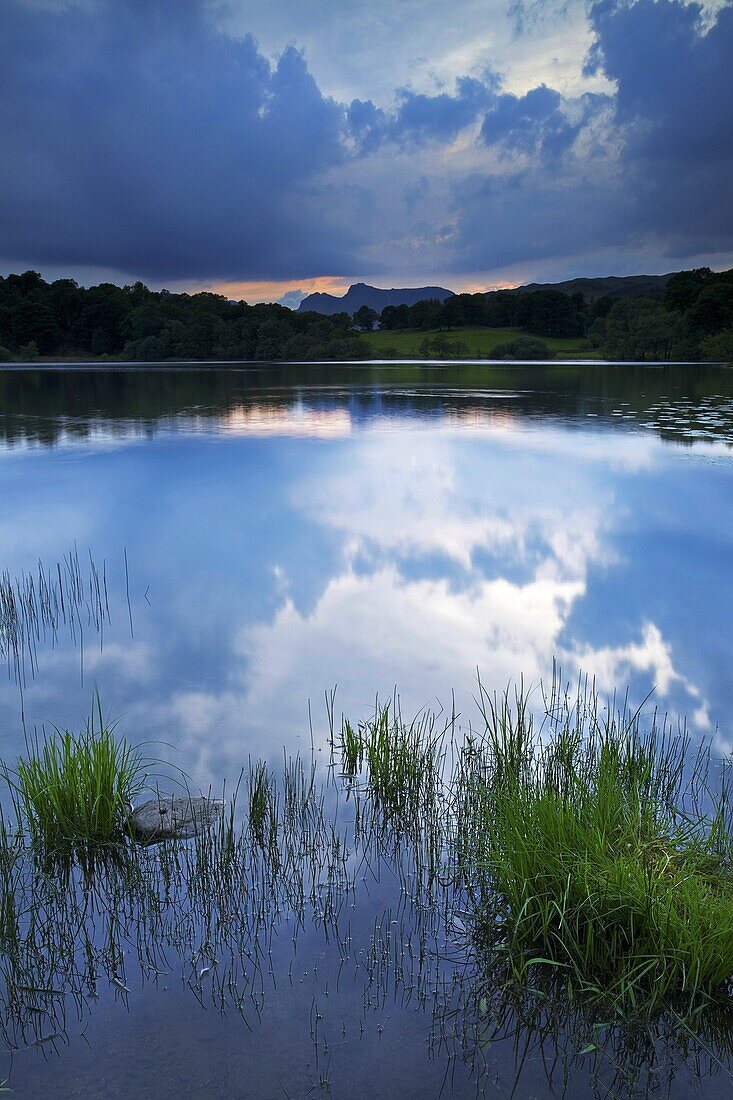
(148, 139)
(136, 137)
(639, 175)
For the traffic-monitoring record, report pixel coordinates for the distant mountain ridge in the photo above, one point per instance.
(361, 294)
(613, 286)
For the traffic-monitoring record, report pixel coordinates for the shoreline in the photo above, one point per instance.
(178, 364)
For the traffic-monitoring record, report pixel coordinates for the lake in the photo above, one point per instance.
(267, 534)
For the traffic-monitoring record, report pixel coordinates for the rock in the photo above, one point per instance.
(169, 817)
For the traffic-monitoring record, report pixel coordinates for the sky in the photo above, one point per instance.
(269, 148)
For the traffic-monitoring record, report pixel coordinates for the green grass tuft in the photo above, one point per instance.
(77, 788)
(605, 853)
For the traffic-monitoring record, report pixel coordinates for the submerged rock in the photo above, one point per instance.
(171, 817)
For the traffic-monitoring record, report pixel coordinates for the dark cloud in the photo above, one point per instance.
(532, 123)
(367, 124)
(420, 118)
(534, 215)
(441, 117)
(137, 138)
(674, 106)
(662, 178)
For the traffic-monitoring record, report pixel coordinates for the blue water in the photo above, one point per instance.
(289, 530)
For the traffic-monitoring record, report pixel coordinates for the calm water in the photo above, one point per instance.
(289, 529)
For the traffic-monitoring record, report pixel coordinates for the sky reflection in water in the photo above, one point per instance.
(285, 539)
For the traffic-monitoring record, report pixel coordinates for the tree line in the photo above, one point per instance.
(692, 320)
(133, 322)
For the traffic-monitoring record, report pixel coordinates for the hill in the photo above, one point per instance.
(361, 294)
(611, 286)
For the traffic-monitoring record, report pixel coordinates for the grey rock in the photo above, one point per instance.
(171, 817)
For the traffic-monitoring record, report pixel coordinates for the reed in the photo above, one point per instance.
(402, 760)
(586, 859)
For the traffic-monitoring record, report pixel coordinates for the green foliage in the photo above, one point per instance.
(684, 287)
(596, 858)
(523, 348)
(28, 351)
(352, 749)
(712, 310)
(62, 319)
(594, 851)
(696, 304)
(719, 347)
(77, 788)
(542, 312)
(366, 318)
(134, 323)
(5, 355)
(441, 346)
(640, 328)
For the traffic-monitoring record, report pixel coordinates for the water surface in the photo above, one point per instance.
(271, 532)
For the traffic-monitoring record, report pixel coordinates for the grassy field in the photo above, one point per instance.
(480, 341)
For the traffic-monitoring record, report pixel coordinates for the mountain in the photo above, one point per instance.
(361, 294)
(615, 286)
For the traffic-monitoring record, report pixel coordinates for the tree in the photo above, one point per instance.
(366, 318)
(718, 347)
(388, 318)
(712, 310)
(458, 349)
(426, 315)
(28, 351)
(641, 328)
(453, 312)
(100, 342)
(551, 313)
(684, 287)
(441, 344)
(525, 347)
(35, 322)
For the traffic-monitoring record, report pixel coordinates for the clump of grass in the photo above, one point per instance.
(402, 761)
(352, 749)
(599, 857)
(262, 806)
(77, 788)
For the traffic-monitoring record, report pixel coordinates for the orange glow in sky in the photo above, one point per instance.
(270, 291)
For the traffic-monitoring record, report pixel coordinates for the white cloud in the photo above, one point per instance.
(522, 533)
(368, 51)
(612, 667)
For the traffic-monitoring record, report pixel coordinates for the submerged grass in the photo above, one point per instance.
(403, 761)
(579, 871)
(589, 855)
(77, 788)
(601, 851)
(263, 806)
